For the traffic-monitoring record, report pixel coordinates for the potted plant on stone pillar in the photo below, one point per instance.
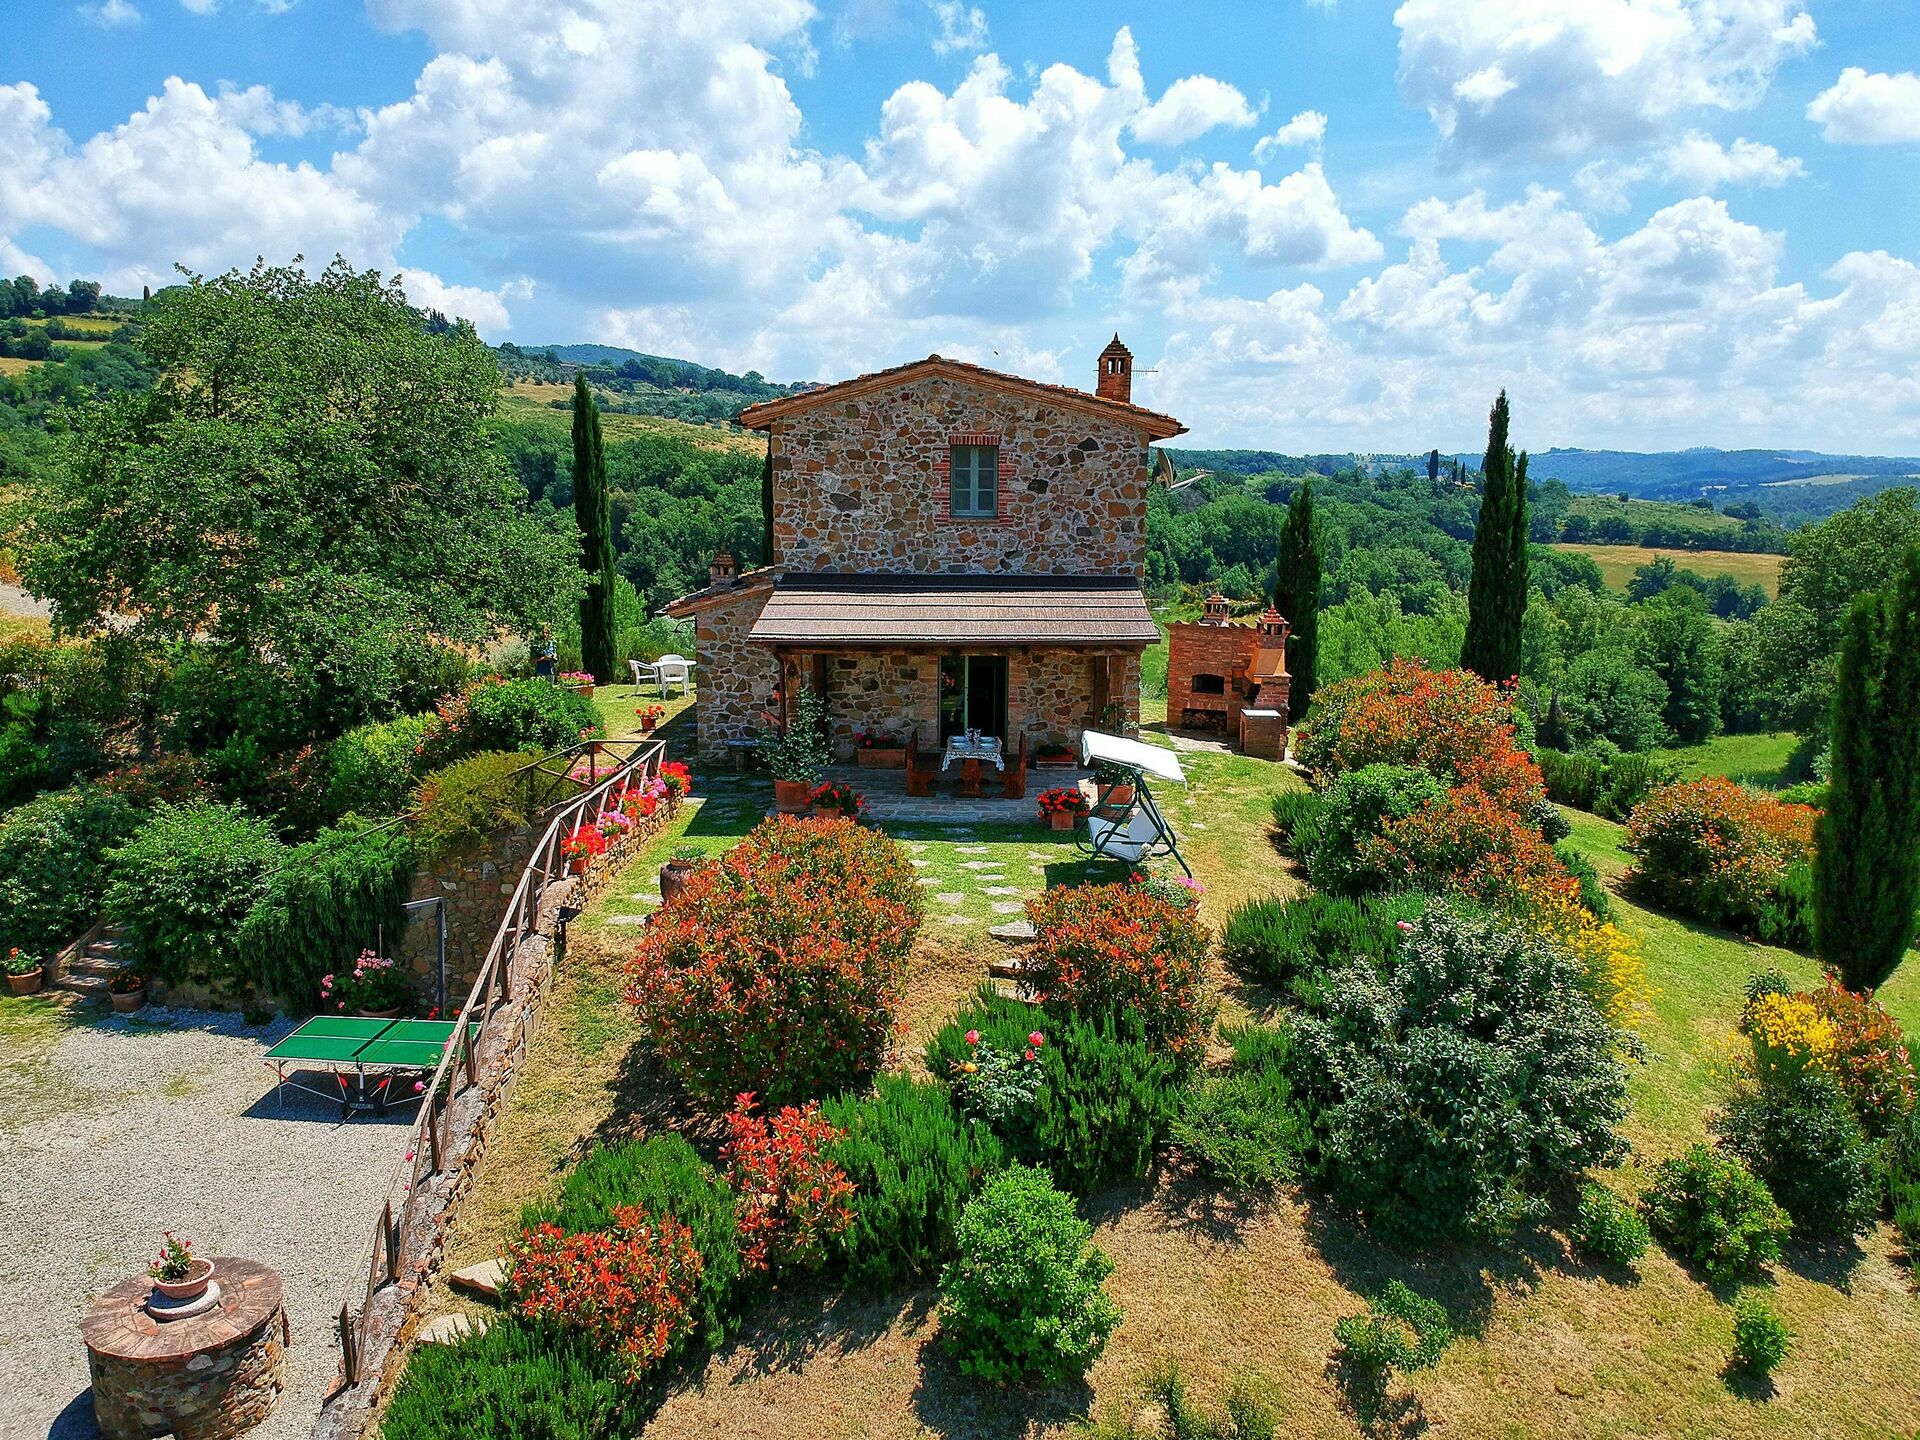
(797, 756)
(177, 1272)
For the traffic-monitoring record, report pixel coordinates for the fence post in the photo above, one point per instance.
(433, 1130)
(349, 1348)
(390, 1232)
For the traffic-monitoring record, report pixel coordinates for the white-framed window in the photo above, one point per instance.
(974, 474)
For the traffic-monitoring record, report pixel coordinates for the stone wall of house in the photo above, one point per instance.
(892, 691)
(735, 680)
(861, 484)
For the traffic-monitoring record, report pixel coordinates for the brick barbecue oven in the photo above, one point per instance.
(1231, 677)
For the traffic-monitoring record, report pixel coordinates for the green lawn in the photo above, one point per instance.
(1750, 759)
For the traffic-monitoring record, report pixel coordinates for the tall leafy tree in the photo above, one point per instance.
(308, 496)
(1866, 870)
(1296, 595)
(1497, 592)
(594, 515)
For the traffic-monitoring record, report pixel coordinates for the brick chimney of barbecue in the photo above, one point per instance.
(1216, 612)
(1116, 373)
(721, 571)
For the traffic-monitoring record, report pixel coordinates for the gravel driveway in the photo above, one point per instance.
(113, 1128)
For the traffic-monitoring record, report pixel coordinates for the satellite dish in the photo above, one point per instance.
(1163, 468)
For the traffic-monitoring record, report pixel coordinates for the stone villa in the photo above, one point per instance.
(953, 548)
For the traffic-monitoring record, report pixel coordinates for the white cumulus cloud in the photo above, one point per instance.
(1864, 109)
(1307, 130)
(1704, 163)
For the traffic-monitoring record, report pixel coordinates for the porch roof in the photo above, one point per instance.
(869, 609)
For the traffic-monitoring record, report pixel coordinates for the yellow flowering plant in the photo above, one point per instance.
(1616, 969)
(1789, 1035)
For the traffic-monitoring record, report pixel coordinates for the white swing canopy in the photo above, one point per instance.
(1097, 748)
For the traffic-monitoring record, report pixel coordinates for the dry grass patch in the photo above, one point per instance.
(1618, 562)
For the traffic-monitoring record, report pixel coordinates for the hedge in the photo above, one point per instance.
(54, 867)
(183, 885)
(329, 899)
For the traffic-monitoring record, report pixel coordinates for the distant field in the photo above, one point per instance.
(518, 403)
(10, 366)
(1749, 759)
(1618, 562)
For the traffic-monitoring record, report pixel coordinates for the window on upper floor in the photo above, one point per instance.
(974, 473)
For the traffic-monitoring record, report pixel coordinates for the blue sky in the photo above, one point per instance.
(1331, 225)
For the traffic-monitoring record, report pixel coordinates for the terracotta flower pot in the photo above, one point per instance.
(125, 1002)
(673, 879)
(647, 727)
(578, 864)
(28, 983)
(199, 1275)
(881, 757)
(792, 797)
(1117, 795)
(1061, 819)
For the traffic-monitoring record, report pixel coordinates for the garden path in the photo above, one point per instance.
(113, 1128)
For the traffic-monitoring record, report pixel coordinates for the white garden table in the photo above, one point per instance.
(971, 752)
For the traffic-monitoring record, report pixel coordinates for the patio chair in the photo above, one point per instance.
(1134, 831)
(920, 770)
(643, 671)
(1013, 783)
(673, 670)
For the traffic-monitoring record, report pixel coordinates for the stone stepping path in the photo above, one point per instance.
(972, 849)
(1008, 907)
(1014, 932)
(628, 919)
(960, 920)
(484, 1279)
(983, 865)
(1002, 890)
(952, 897)
(451, 1329)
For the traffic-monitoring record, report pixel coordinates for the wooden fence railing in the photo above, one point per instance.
(611, 765)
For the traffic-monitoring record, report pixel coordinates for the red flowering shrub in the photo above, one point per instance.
(1467, 841)
(631, 1287)
(1868, 1057)
(169, 780)
(777, 968)
(1450, 723)
(1717, 850)
(792, 1199)
(1121, 948)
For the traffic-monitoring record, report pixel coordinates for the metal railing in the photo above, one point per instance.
(488, 1000)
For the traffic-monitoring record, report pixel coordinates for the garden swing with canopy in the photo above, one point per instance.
(1134, 831)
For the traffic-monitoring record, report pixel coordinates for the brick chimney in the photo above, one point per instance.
(1274, 630)
(1116, 373)
(1216, 613)
(721, 570)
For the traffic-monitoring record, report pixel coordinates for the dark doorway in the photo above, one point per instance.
(973, 695)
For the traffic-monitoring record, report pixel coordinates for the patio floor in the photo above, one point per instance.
(887, 800)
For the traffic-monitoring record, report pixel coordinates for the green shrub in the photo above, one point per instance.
(914, 1161)
(518, 1381)
(468, 800)
(328, 900)
(1165, 1411)
(1106, 1099)
(1455, 1094)
(1572, 780)
(495, 714)
(1607, 1228)
(662, 1175)
(1715, 1213)
(1021, 1300)
(1296, 816)
(1244, 1127)
(1903, 1182)
(54, 867)
(1399, 1330)
(183, 884)
(1761, 1338)
(1594, 898)
(1783, 915)
(1796, 1131)
(1355, 808)
(1293, 944)
(372, 769)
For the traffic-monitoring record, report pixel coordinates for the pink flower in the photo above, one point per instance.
(1406, 925)
(973, 1037)
(418, 1086)
(1029, 1054)
(1036, 1040)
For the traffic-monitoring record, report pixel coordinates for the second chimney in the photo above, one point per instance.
(1116, 373)
(721, 572)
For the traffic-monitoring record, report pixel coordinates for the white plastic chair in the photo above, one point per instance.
(673, 670)
(643, 671)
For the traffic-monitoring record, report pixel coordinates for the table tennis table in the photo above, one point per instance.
(365, 1055)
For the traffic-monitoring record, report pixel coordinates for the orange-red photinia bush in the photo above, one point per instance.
(1450, 723)
(1468, 842)
(777, 968)
(631, 1288)
(1716, 849)
(1105, 949)
(792, 1198)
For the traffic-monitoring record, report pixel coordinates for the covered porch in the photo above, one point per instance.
(887, 800)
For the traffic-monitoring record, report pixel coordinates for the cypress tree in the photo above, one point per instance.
(766, 505)
(593, 513)
(1296, 595)
(1866, 869)
(1497, 593)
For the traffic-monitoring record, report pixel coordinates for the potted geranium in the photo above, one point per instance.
(24, 972)
(1062, 806)
(797, 756)
(1052, 752)
(375, 987)
(677, 871)
(879, 750)
(127, 991)
(578, 680)
(581, 847)
(177, 1272)
(833, 798)
(678, 781)
(650, 717)
(1113, 784)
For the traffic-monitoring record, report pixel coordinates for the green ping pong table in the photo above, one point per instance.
(366, 1056)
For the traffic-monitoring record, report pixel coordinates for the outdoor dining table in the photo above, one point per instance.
(972, 752)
